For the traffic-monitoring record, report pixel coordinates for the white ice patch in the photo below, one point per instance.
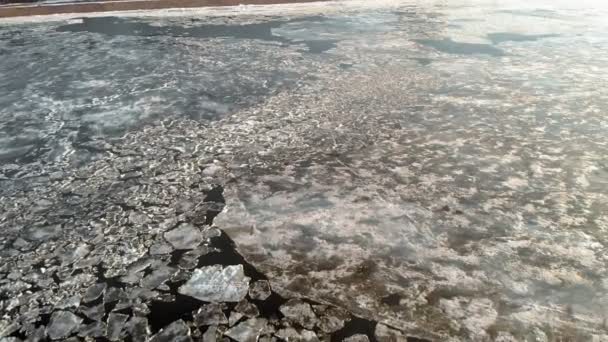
(217, 284)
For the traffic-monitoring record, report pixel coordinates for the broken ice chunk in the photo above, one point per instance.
(356, 338)
(260, 290)
(116, 323)
(211, 232)
(299, 312)
(185, 236)
(76, 254)
(43, 233)
(210, 314)
(247, 331)
(384, 333)
(63, 324)
(247, 309)
(138, 327)
(217, 284)
(70, 302)
(95, 329)
(235, 317)
(291, 334)
(140, 309)
(93, 292)
(113, 294)
(19, 243)
(95, 313)
(37, 335)
(7, 328)
(157, 277)
(309, 336)
(189, 260)
(333, 319)
(211, 334)
(212, 170)
(138, 218)
(177, 331)
(160, 248)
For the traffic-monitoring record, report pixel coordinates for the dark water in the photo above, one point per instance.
(449, 46)
(101, 77)
(501, 37)
(113, 26)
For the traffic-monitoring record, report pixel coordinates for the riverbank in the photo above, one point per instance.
(31, 9)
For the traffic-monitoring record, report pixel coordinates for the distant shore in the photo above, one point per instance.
(33, 8)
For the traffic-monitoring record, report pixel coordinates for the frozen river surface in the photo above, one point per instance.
(438, 166)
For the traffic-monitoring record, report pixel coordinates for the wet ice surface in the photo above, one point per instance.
(217, 284)
(66, 84)
(440, 169)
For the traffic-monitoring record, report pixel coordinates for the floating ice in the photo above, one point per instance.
(332, 320)
(157, 277)
(177, 331)
(113, 294)
(357, 338)
(63, 324)
(217, 284)
(260, 290)
(95, 329)
(235, 317)
(210, 314)
(299, 312)
(246, 308)
(7, 328)
(291, 334)
(247, 331)
(116, 323)
(138, 327)
(95, 313)
(385, 333)
(94, 292)
(70, 302)
(186, 236)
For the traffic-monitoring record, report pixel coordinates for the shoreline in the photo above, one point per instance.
(21, 10)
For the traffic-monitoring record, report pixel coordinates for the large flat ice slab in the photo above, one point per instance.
(217, 284)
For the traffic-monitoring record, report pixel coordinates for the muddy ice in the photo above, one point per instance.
(387, 172)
